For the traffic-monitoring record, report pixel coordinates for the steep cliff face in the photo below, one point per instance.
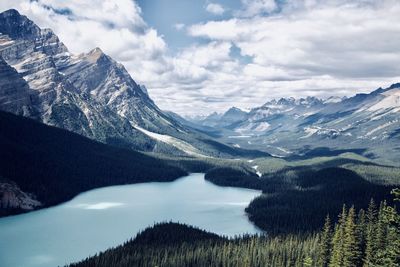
(12, 197)
(15, 95)
(36, 55)
(90, 94)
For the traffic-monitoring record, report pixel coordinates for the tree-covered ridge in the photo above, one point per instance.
(55, 165)
(360, 239)
(153, 247)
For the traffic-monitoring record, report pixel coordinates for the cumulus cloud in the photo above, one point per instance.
(116, 27)
(215, 9)
(313, 47)
(257, 7)
(292, 48)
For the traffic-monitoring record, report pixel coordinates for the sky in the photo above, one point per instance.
(200, 56)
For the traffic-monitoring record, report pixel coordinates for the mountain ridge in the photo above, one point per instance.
(89, 93)
(283, 127)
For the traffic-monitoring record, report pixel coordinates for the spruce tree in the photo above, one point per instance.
(337, 254)
(325, 244)
(351, 253)
(370, 243)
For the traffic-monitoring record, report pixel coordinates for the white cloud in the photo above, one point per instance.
(300, 48)
(257, 7)
(116, 27)
(179, 26)
(215, 9)
(311, 48)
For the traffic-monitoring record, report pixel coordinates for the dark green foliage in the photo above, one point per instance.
(176, 245)
(56, 165)
(237, 177)
(179, 245)
(381, 247)
(299, 200)
(235, 152)
(325, 243)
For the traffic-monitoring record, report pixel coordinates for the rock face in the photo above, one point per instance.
(15, 95)
(12, 197)
(90, 93)
(36, 55)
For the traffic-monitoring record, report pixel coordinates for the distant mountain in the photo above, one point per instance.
(365, 123)
(90, 93)
(215, 119)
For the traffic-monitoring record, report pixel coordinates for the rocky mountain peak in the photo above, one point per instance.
(291, 101)
(394, 86)
(17, 26)
(95, 55)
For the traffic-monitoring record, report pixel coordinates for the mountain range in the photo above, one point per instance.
(93, 95)
(365, 123)
(90, 94)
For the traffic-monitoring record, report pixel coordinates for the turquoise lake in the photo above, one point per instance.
(101, 218)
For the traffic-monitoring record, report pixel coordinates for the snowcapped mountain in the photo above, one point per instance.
(90, 93)
(367, 123)
(215, 119)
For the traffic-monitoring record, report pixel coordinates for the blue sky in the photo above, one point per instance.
(200, 56)
(164, 15)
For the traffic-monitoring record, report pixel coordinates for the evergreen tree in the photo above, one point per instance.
(325, 243)
(370, 244)
(389, 255)
(362, 232)
(337, 254)
(351, 253)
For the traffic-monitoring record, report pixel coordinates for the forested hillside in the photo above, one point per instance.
(298, 195)
(360, 238)
(55, 165)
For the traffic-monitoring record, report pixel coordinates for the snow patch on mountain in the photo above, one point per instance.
(179, 144)
(381, 127)
(391, 100)
(257, 171)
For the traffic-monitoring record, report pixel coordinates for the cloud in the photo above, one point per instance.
(215, 9)
(117, 27)
(257, 7)
(310, 47)
(294, 48)
(179, 26)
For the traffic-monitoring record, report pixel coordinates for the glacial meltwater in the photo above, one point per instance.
(106, 217)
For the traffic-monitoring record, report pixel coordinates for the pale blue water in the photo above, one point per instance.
(106, 217)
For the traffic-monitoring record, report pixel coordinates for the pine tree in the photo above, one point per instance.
(390, 254)
(338, 241)
(351, 254)
(325, 244)
(362, 232)
(370, 244)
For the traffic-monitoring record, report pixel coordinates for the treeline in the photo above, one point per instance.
(186, 247)
(359, 239)
(55, 165)
(235, 176)
(367, 238)
(299, 199)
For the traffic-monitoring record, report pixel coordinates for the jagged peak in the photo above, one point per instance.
(291, 101)
(381, 90)
(17, 26)
(394, 86)
(95, 54)
(10, 12)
